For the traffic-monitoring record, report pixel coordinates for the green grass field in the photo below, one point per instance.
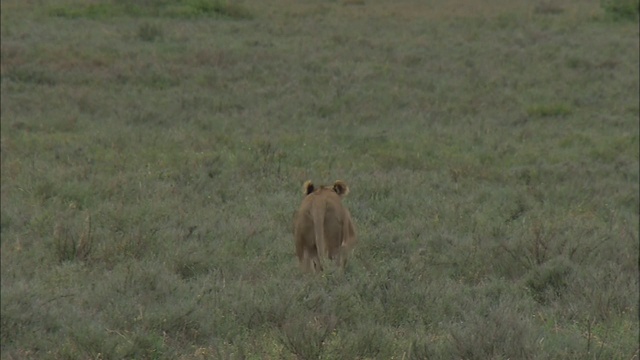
(153, 154)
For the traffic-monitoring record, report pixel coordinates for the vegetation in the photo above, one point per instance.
(622, 9)
(153, 153)
(154, 8)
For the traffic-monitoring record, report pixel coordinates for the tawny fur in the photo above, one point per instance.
(323, 226)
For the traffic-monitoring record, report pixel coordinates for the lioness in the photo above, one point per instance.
(323, 226)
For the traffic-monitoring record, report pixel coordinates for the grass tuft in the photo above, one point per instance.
(73, 244)
(149, 32)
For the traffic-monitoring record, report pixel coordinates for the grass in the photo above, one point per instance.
(152, 155)
(150, 8)
(621, 9)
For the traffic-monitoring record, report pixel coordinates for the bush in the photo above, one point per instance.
(549, 280)
(304, 336)
(502, 333)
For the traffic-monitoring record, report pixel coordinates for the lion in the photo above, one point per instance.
(323, 227)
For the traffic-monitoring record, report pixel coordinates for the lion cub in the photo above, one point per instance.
(323, 227)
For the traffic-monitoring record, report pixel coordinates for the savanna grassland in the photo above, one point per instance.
(153, 154)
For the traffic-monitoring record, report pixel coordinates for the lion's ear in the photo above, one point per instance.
(340, 187)
(307, 188)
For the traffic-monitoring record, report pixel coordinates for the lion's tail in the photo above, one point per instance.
(318, 226)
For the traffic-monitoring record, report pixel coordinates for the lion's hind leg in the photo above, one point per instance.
(317, 264)
(310, 261)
